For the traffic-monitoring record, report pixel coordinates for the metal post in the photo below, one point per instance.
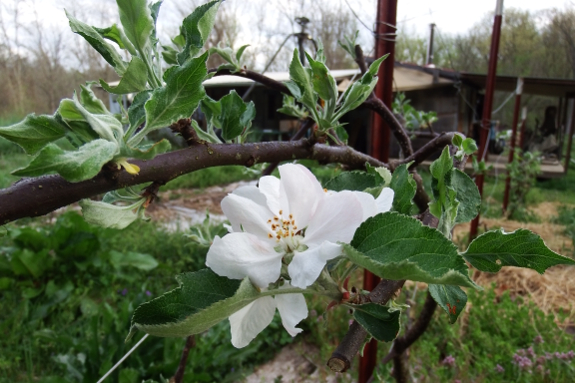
(522, 133)
(380, 135)
(488, 103)
(570, 138)
(518, 92)
(429, 54)
(385, 43)
(302, 37)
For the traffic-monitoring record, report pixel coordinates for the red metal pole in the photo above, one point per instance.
(513, 139)
(570, 138)
(384, 43)
(380, 136)
(488, 103)
(522, 133)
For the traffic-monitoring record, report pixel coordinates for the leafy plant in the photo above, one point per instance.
(523, 171)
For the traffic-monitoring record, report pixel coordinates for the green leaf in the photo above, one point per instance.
(240, 52)
(379, 321)
(178, 99)
(74, 166)
(457, 141)
(34, 132)
(118, 36)
(202, 300)
(196, 28)
(450, 298)
(136, 111)
(169, 55)
(147, 151)
(467, 195)
(354, 180)
(134, 80)
(290, 108)
(27, 262)
(230, 119)
(155, 12)
(523, 248)
(138, 24)
(108, 215)
(95, 113)
(445, 204)
(132, 259)
(92, 36)
(395, 246)
(90, 101)
(469, 146)
(300, 76)
(404, 187)
(323, 83)
(3, 231)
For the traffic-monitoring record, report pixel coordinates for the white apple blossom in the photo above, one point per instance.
(290, 221)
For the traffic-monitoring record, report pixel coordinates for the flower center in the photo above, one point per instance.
(285, 231)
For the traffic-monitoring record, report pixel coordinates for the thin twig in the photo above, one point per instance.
(179, 375)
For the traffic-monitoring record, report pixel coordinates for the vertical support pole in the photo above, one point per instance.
(518, 92)
(488, 104)
(522, 133)
(570, 138)
(380, 135)
(429, 55)
(384, 44)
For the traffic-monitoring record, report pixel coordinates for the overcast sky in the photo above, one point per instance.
(451, 16)
(414, 16)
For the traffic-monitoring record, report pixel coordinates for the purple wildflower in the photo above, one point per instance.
(148, 293)
(124, 292)
(448, 361)
(538, 339)
(499, 368)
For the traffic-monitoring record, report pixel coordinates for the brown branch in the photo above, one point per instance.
(402, 343)
(255, 76)
(433, 146)
(179, 375)
(341, 358)
(380, 108)
(34, 197)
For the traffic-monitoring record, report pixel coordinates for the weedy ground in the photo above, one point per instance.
(65, 313)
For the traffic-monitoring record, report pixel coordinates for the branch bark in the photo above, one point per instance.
(179, 375)
(34, 197)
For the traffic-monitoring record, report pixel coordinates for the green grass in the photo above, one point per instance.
(68, 323)
(8, 163)
(495, 329)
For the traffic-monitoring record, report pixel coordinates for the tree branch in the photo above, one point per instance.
(380, 108)
(255, 76)
(179, 375)
(34, 197)
(341, 358)
(433, 146)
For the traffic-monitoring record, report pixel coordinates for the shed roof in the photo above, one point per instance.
(531, 85)
(404, 79)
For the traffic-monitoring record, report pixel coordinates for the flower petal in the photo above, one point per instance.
(385, 200)
(306, 266)
(270, 186)
(367, 202)
(302, 191)
(244, 209)
(240, 255)
(293, 309)
(248, 322)
(335, 220)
